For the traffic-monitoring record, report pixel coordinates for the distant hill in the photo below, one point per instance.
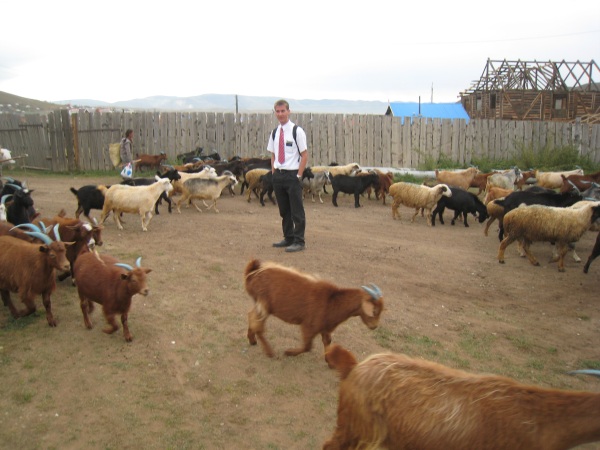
(10, 103)
(227, 103)
(207, 102)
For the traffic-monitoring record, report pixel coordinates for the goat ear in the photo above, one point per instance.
(124, 276)
(368, 307)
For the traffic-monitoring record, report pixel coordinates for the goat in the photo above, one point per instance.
(21, 209)
(480, 181)
(30, 269)
(150, 161)
(505, 180)
(418, 197)
(461, 202)
(188, 156)
(205, 189)
(386, 179)
(89, 197)
(579, 182)
(461, 178)
(103, 280)
(494, 210)
(318, 306)
(553, 180)
(537, 223)
(393, 401)
(80, 234)
(353, 185)
(347, 169)
(527, 177)
(133, 199)
(314, 183)
(171, 174)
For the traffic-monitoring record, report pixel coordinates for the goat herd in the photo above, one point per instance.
(386, 401)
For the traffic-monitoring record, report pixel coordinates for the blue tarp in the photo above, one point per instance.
(431, 110)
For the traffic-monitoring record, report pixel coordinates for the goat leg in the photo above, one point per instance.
(126, 333)
(48, 305)
(307, 338)
(85, 310)
(9, 304)
(110, 319)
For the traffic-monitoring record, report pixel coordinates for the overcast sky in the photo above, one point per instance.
(382, 50)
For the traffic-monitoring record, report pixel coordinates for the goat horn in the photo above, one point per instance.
(9, 179)
(124, 266)
(376, 289)
(56, 233)
(40, 236)
(28, 225)
(371, 292)
(5, 197)
(16, 186)
(138, 262)
(43, 227)
(585, 372)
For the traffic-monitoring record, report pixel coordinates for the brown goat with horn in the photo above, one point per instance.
(318, 306)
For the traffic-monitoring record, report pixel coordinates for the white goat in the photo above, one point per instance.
(553, 180)
(316, 184)
(537, 223)
(418, 197)
(205, 189)
(504, 180)
(133, 199)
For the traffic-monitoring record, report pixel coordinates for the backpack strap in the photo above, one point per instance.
(293, 135)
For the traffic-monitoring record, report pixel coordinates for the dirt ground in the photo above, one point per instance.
(190, 379)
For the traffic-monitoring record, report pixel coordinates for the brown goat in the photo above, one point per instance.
(386, 179)
(395, 402)
(100, 280)
(460, 178)
(579, 182)
(522, 181)
(79, 233)
(480, 181)
(318, 306)
(150, 161)
(30, 269)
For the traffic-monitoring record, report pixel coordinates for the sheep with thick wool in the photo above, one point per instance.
(253, 181)
(553, 180)
(536, 223)
(396, 402)
(318, 306)
(346, 169)
(418, 197)
(461, 178)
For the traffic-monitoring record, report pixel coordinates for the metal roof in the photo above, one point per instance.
(431, 110)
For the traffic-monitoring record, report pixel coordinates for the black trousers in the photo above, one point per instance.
(288, 192)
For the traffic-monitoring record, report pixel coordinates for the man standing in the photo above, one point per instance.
(288, 159)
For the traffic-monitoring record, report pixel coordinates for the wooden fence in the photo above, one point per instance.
(62, 142)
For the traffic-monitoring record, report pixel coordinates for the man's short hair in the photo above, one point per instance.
(282, 102)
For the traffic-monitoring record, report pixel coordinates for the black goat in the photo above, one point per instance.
(529, 197)
(353, 185)
(190, 156)
(20, 209)
(89, 197)
(461, 202)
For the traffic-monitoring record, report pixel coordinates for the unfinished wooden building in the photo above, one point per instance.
(531, 90)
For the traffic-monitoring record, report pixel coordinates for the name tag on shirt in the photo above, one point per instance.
(288, 143)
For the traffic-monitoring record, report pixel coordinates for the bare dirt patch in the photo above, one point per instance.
(190, 379)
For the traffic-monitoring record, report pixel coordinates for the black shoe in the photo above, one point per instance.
(283, 243)
(295, 248)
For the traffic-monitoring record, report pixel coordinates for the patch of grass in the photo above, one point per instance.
(588, 364)
(476, 346)
(522, 343)
(584, 317)
(23, 397)
(385, 337)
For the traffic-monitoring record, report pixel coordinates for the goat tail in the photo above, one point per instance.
(74, 191)
(340, 359)
(251, 267)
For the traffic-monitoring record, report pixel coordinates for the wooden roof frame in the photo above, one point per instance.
(505, 75)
